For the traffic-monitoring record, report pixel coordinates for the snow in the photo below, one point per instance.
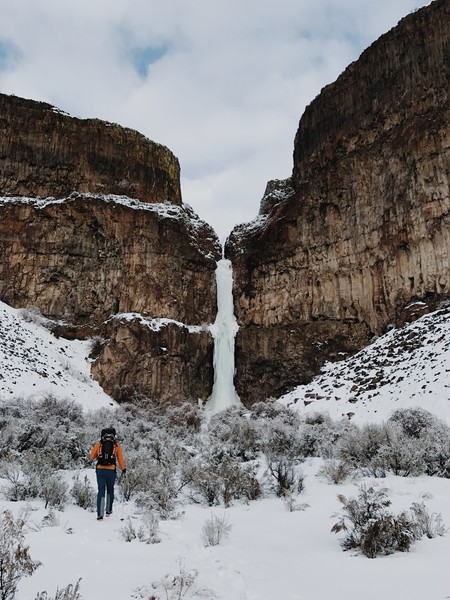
(270, 553)
(35, 363)
(156, 324)
(408, 367)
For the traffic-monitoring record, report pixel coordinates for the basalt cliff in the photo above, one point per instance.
(94, 234)
(362, 227)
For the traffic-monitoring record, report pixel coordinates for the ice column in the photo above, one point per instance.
(223, 331)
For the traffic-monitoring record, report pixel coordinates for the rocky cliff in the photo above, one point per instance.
(94, 234)
(363, 225)
(45, 152)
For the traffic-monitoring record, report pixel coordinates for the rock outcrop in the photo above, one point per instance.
(45, 152)
(363, 225)
(99, 262)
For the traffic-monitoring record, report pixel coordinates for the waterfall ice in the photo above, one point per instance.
(224, 331)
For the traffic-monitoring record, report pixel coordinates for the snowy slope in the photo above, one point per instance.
(406, 367)
(33, 362)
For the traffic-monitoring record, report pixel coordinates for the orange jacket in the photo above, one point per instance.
(117, 451)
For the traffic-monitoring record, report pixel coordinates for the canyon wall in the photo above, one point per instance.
(363, 225)
(137, 271)
(45, 152)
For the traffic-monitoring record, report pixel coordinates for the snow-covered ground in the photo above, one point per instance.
(407, 367)
(33, 362)
(270, 553)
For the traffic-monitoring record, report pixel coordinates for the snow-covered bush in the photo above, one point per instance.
(428, 435)
(413, 421)
(83, 493)
(54, 491)
(215, 529)
(335, 471)
(163, 493)
(128, 532)
(398, 454)
(370, 527)
(16, 487)
(280, 438)
(139, 476)
(15, 559)
(50, 430)
(425, 523)
(148, 532)
(291, 504)
(287, 477)
(184, 418)
(236, 434)
(218, 477)
(359, 447)
(319, 435)
(181, 586)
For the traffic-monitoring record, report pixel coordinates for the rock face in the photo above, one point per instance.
(87, 258)
(102, 263)
(363, 225)
(168, 359)
(44, 152)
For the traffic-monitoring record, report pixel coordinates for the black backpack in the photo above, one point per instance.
(107, 454)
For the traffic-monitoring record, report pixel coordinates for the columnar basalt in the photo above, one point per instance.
(363, 225)
(85, 259)
(77, 247)
(45, 152)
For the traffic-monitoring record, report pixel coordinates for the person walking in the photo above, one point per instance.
(107, 452)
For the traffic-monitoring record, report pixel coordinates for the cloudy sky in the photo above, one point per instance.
(222, 83)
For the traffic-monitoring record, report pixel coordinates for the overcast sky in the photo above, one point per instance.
(222, 83)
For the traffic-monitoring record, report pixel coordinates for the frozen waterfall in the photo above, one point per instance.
(223, 331)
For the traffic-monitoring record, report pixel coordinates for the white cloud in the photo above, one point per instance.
(222, 84)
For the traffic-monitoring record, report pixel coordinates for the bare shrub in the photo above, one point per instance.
(291, 504)
(425, 523)
(70, 592)
(181, 586)
(149, 530)
(128, 532)
(335, 471)
(83, 492)
(54, 492)
(15, 559)
(287, 478)
(215, 530)
(370, 527)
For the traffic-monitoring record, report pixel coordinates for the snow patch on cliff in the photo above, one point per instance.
(196, 228)
(158, 323)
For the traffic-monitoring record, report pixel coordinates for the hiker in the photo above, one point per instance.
(106, 452)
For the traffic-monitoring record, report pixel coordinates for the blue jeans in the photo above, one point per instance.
(106, 479)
